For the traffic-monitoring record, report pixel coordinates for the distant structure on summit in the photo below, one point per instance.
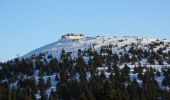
(73, 36)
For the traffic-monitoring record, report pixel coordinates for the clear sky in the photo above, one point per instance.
(28, 24)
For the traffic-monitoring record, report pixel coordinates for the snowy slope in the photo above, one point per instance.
(73, 43)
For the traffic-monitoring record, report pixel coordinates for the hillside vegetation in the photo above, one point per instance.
(90, 68)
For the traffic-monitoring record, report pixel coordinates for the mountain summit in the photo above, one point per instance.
(73, 42)
(73, 36)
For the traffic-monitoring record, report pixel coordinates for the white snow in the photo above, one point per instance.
(73, 43)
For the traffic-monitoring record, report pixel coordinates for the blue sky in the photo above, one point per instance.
(28, 24)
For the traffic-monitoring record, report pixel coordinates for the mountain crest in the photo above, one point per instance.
(73, 36)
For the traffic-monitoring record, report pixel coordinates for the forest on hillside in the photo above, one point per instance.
(93, 75)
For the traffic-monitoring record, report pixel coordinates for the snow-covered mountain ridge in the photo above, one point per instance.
(71, 43)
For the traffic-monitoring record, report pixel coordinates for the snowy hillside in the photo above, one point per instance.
(75, 42)
(91, 68)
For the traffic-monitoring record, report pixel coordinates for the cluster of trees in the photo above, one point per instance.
(78, 79)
